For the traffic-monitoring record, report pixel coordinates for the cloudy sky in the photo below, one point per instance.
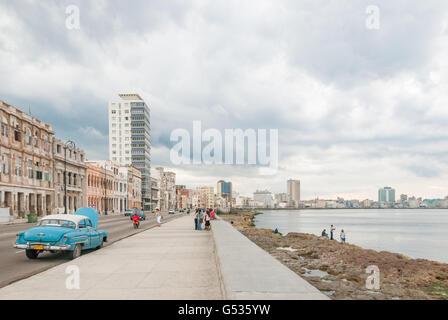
(356, 108)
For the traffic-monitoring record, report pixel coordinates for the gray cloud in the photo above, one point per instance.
(348, 102)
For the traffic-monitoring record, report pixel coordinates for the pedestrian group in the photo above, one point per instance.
(332, 230)
(202, 218)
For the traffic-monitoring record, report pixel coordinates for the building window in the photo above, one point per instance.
(18, 167)
(17, 135)
(6, 169)
(39, 175)
(29, 137)
(30, 169)
(4, 130)
(36, 140)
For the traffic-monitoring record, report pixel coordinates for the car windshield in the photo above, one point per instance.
(57, 223)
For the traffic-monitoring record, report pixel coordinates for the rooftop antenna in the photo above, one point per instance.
(29, 109)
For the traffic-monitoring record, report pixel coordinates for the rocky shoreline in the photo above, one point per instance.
(339, 270)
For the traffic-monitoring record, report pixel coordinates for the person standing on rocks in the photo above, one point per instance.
(332, 229)
(342, 235)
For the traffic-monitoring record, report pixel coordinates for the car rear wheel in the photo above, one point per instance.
(75, 253)
(31, 254)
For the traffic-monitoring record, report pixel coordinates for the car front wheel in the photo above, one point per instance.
(75, 253)
(31, 254)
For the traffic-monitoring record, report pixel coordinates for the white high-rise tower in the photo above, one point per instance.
(130, 138)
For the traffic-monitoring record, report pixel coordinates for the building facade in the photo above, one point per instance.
(167, 189)
(155, 191)
(130, 138)
(69, 161)
(99, 187)
(134, 187)
(26, 167)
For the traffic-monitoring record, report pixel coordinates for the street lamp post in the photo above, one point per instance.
(127, 194)
(105, 191)
(68, 144)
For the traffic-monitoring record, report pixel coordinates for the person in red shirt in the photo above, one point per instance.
(136, 219)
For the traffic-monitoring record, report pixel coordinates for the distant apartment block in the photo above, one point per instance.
(263, 198)
(386, 195)
(224, 191)
(206, 196)
(293, 190)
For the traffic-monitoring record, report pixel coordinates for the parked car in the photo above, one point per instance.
(70, 233)
(128, 213)
(140, 213)
(171, 211)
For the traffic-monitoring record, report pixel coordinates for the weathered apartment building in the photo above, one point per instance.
(26, 168)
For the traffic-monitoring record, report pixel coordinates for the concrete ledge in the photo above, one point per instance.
(249, 272)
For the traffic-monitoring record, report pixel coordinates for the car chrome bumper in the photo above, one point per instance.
(46, 246)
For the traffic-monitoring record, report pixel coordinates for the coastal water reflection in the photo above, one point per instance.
(417, 233)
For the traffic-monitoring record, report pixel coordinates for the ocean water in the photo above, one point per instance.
(416, 233)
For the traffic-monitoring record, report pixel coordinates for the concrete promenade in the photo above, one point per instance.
(249, 272)
(171, 262)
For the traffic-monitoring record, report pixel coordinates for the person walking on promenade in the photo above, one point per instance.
(196, 220)
(159, 217)
(212, 215)
(332, 229)
(342, 235)
(200, 216)
(207, 222)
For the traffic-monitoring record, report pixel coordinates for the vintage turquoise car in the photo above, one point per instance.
(70, 233)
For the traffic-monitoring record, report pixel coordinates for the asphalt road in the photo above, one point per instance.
(14, 265)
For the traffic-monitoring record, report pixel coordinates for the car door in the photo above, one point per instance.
(94, 237)
(84, 233)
